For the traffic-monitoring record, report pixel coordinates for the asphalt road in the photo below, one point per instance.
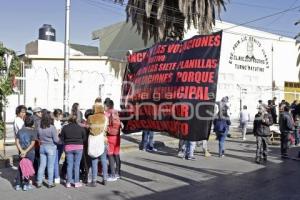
(162, 175)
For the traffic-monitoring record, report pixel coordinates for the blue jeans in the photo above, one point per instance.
(59, 151)
(47, 158)
(222, 138)
(190, 148)
(147, 140)
(103, 159)
(73, 162)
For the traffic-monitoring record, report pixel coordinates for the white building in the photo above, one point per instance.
(90, 76)
(243, 80)
(95, 74)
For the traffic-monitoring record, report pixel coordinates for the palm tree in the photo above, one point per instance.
(166, 19)
(297, 38)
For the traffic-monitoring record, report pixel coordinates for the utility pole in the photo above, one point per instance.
(272, 70)
(67, 58)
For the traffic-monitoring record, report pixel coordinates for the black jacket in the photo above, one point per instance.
(286, 122)
(73, 134)
(262, 123)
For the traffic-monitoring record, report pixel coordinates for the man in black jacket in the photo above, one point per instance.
(261, 129)
(286, 125)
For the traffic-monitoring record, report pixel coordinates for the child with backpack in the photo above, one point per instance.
(25, 142)
(113, 140)
(221, 128)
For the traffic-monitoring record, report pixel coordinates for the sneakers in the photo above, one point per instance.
(244, 139)
(190, 158)
(180, 154)
(207, 154)
(25, 188)
(117, 176)
(57, 180)
(29, 186)
(17, 187)
(78, 185)
(51, 186)
(257, 160)
(152, 149)
(68, 185)
(111, 179)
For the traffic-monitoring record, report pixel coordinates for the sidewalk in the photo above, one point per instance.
(163, 175)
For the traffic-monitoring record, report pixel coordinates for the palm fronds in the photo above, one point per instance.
(163, 19)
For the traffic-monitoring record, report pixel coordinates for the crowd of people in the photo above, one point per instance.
(42, 137)
(287, 118)
(289, 126)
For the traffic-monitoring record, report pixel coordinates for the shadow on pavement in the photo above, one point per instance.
(215, 172)
(240, 141)
(275, 182)
(134, 177)
(9, 174)
(131, 139)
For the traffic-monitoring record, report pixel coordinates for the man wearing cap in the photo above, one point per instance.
(37, 115)
(261, 129)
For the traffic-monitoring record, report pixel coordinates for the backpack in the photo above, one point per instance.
(220, 126)
(26, 167)
(114, 124)
(95, 145)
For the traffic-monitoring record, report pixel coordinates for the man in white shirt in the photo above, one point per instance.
(19, 120)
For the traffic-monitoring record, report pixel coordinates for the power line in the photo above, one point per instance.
(280, 16)
(264, 17)
(291, 8)
(241, 24)
(262, 28)
(254, 5)
(139, 11)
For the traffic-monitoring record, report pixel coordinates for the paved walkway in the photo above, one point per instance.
(163, 175)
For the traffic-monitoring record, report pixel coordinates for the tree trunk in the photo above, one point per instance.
(1, 108)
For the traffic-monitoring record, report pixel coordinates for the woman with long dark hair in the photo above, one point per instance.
(73, 137)
(47, 135)
(76, 112)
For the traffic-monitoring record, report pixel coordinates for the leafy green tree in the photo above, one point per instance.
(7, 75)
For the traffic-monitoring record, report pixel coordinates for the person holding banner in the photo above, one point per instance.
(147, 143)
